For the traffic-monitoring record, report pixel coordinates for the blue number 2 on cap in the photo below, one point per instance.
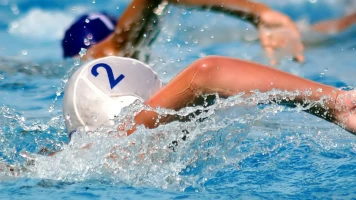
(113, 82)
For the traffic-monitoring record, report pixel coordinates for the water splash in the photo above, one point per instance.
(228, 135)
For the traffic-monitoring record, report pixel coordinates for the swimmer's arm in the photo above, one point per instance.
(268, 22)
(245, 9)
(126, 29)
(204, 77)
(336, 25)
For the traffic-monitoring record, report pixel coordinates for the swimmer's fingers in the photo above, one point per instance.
(269, 45)
(298, 56)
(271, 55)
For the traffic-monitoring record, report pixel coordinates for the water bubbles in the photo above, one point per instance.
(2, 76)
(87, 20)
(93, 1)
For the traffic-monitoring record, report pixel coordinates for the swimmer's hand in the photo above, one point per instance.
(278, 31)
(102, 49)
(344, 111)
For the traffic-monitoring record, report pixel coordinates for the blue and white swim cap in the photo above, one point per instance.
(87, 30)
(98, 90)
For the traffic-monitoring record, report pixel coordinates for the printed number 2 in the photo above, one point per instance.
(113, 82)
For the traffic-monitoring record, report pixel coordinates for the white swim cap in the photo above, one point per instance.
(98, 90)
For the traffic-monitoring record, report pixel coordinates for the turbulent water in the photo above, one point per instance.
(233, 149)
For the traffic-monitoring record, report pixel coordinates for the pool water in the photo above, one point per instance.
(230, 152)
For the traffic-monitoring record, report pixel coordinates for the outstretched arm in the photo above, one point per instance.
(269, 23)
(205, 77)
(277, 31)
(335, 25)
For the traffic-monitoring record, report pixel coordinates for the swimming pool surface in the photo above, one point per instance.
(250, 152)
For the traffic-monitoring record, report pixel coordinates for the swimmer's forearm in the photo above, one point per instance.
(334, 26)
(245, 9)
(132, 19)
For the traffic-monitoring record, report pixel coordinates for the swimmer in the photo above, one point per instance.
(139, 24)
(100, 89)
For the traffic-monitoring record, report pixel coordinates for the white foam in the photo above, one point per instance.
(41, 25)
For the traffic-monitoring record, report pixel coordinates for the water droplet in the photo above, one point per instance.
(86, 42)
(95, 118)
(15, 9)
(2, 76)
(164, 72)
(90, 36)
(82, 52)
(87, 20)
(51, 108)
(14, 25)
(93, 1)
(24, 52)
(58, 93)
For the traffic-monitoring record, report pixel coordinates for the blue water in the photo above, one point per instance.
(257, 152)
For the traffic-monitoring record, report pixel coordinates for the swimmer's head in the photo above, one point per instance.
(99, 90)
(86, 31)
